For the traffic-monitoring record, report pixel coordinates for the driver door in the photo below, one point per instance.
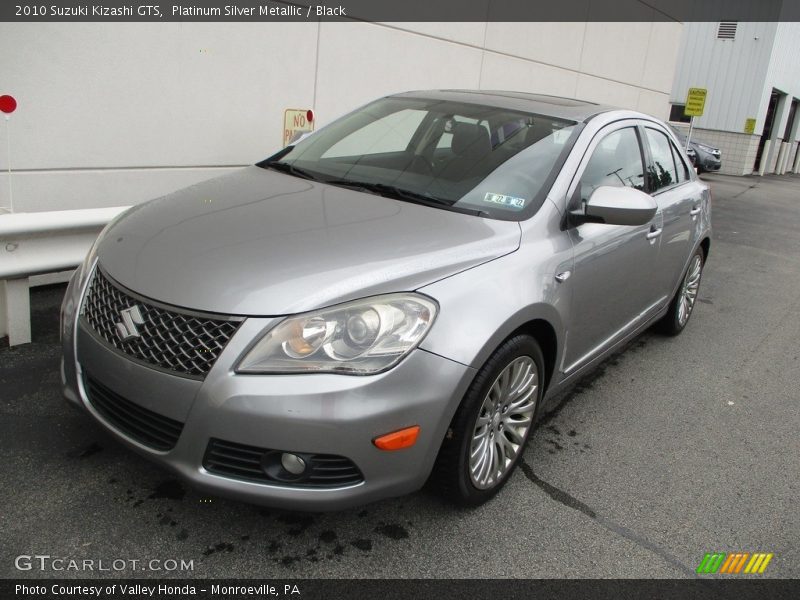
(613, 274)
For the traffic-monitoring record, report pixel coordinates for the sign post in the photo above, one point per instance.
(695, 104)
(8, 105)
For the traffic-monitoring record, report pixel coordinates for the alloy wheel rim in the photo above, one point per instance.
(503, 422)
(691, 285)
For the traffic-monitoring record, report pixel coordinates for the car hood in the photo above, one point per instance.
(695, 143)
(258, 242)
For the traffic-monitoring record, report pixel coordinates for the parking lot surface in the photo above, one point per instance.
(673, 448)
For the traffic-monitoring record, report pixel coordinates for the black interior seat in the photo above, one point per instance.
(470, 145)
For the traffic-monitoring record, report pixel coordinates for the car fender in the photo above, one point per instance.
(481, 307)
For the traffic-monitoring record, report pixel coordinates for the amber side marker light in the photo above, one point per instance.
(397, 440)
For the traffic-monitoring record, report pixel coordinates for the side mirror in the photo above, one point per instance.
(618, 206)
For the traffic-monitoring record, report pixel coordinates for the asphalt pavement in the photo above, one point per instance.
(673, 448)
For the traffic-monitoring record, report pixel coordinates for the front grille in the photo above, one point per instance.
(239, 461)
(146, 427)
(172, 340)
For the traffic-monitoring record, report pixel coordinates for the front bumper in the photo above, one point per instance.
(314, 413)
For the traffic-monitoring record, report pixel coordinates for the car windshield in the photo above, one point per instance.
(464, 157)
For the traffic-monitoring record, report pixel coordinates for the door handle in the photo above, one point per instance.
(653, 234)
(695, 211)
(563, 276)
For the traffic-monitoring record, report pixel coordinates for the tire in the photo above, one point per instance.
(682, 304)
(505, 430)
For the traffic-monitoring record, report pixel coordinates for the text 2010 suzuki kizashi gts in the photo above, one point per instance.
(389, 299)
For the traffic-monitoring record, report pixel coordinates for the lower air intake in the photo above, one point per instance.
(262, 465)
(145, 426)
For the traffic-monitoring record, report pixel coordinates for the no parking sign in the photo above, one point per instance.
(296, 122)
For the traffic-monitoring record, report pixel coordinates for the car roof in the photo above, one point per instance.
(553, 106)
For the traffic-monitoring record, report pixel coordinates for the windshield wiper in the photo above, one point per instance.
(384, 189)
(398, 193)
(290, 169)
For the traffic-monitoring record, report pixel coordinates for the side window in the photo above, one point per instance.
(662, 170)
(683, 170)
(616, 161)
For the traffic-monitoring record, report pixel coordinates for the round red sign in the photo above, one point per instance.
(8, 104)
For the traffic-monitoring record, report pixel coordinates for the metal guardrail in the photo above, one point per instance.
(33, 245)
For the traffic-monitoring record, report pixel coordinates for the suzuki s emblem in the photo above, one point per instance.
(131, 317)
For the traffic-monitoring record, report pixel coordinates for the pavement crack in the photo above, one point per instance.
(609, 525)
(744, 191)
(642, 542)
(555, 493)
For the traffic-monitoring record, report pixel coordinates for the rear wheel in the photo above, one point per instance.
(488, 433)
(680, 309)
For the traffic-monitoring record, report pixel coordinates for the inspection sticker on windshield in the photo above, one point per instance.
(510, 201)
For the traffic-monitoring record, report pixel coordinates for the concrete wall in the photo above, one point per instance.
(738, 149)
(115, 114)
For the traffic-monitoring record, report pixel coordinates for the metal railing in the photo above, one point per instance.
(38, 249)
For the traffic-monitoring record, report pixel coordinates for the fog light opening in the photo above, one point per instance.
(292, 463)
(288, 467)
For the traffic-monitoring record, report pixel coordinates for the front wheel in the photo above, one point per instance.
(488, 433)
(680, 309)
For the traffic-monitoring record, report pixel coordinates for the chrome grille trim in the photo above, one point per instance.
(171, 339)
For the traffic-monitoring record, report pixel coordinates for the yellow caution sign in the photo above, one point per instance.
(750, 126)
(695, 102)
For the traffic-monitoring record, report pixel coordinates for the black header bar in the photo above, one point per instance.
(401, 10)
(417, 589)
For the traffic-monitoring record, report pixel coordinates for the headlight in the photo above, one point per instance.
(357, 338)
(705, 148)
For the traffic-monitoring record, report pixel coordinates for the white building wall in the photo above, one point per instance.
(740, 75)
(733, 71)
(784, 70)
(783, 74)
(115, 114)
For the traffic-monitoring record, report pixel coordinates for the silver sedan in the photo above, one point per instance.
(391, 299)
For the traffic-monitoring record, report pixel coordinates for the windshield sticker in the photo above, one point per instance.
(503, 200)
